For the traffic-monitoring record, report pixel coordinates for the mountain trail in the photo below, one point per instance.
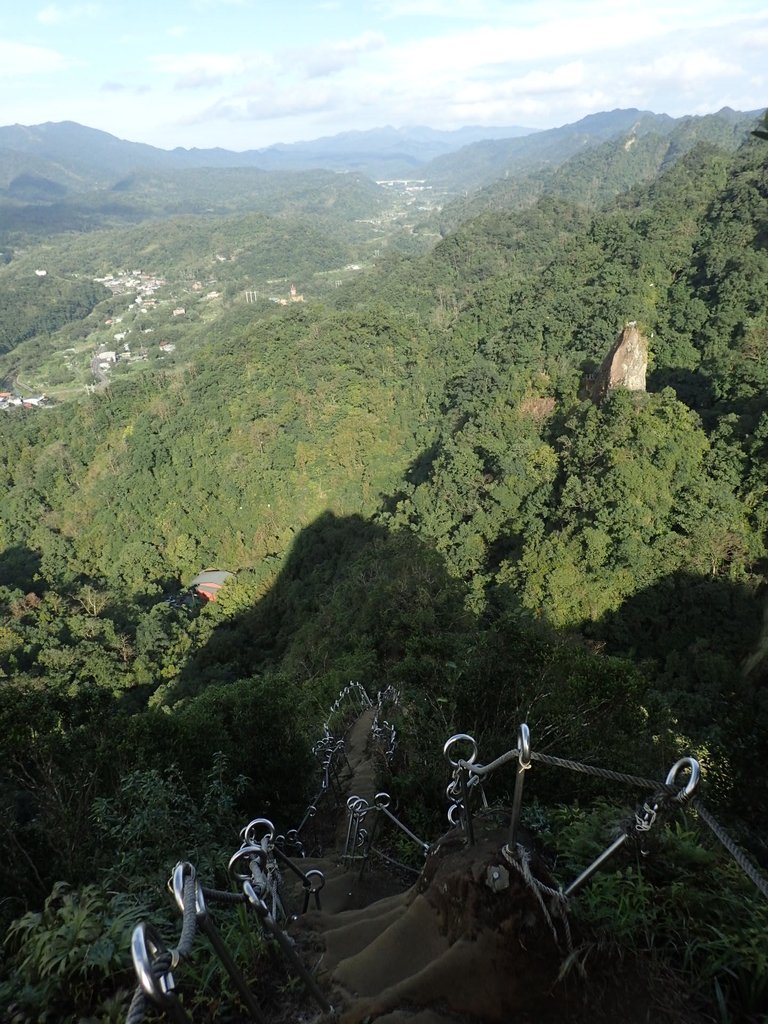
(468, 943)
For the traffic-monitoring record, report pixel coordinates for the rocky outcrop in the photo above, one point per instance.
(625, 365)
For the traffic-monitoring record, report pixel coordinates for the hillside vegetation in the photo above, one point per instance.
(413, 486)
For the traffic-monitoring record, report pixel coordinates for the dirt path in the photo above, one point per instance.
(362, 781)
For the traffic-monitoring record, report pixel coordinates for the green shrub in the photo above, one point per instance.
(73, 958)
(686, 905)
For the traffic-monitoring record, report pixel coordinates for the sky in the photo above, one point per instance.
(244, 74)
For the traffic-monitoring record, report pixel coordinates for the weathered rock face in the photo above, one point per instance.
(625, 365)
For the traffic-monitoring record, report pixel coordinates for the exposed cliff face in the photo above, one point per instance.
(625, 365)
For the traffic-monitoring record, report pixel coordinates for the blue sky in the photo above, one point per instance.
(249, 73)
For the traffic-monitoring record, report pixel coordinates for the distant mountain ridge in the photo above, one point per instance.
(387, 148)
(48, 162)
(66, 148)
(594, 173)
(479, 164)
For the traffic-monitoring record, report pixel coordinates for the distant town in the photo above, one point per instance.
(10, 401)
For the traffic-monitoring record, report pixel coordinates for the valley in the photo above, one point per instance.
(493, 433)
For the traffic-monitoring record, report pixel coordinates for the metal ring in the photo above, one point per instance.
(146, 944)
(248, 834)
(460, 737)
(181, 872)
(176, 881)
(244, 851)
(524, 745)
(316, 880)
(382, 800)
(453, 810)
(695, 777)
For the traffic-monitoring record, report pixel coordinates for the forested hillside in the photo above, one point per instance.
(414, 485)
(628, 152)
(36, 206)
(483, 163)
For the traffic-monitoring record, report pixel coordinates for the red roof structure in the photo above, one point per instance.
(207, 584)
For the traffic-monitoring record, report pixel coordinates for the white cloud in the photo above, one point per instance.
(559, 79)
(442, 9)
(321, 61)
(206, 70)
(331, 65)
(18, 59)
(267, 102)
(198, 79)
(574, 37)
(125, 87)
(205, 5)
(191, 63)
(684, 69)
(533, 73)
(756, 38)
(54, 15)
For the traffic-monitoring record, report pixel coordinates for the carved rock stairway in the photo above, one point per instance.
(455, 946)
(468, 941)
